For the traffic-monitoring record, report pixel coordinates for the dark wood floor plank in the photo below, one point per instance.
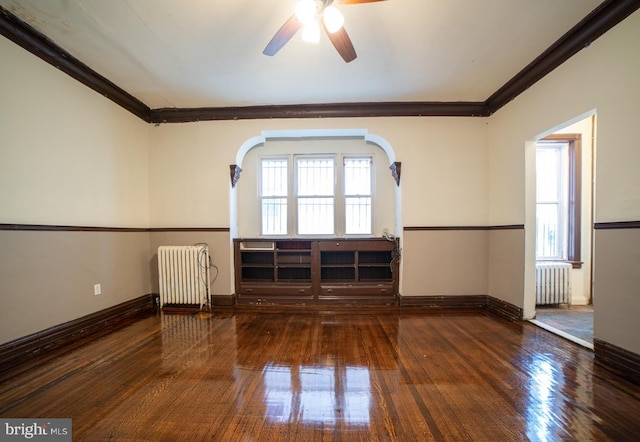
(329, 376)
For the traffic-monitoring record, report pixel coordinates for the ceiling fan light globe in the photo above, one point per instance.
(306, 11)
(333, 19)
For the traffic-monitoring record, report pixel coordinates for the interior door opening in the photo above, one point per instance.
(564, 176)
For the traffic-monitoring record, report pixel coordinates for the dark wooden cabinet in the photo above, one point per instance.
(317, 271)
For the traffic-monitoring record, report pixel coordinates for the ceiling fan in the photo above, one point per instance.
(311, 15)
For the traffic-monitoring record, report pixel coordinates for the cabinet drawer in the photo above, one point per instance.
(338, 245)
(279, 290)
(353, 245)
(375, 245)
(336, 291)
(357, 290)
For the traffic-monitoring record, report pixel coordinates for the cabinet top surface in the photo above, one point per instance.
(376, 238)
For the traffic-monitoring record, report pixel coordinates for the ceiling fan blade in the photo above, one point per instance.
(355, 2)
(284, 34)
(342, 43)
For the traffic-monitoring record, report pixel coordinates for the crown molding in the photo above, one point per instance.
(598, 22)
(39, 45)
(321, 110)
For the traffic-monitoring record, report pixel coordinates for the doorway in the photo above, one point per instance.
(564, 182)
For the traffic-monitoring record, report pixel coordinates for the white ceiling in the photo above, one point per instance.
(208, 53)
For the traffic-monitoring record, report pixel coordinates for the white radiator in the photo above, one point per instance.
(553, 283)
(183, 274)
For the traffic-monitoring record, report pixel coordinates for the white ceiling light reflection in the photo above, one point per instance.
(313, 395)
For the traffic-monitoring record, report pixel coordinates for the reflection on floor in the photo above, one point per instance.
(575, 323)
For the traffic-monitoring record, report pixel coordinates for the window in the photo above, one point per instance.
(357, 195)
(316, 195)
(551, 201)
(558, 198)
(273, 193)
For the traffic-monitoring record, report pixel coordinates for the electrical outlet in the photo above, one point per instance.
(97, 289)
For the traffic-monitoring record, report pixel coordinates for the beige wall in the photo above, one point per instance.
(189, 173)
(506, 264)
(47, 278)
(603, 77)
(70, 157)
(617, 288)
(445, 262)
(444, 178)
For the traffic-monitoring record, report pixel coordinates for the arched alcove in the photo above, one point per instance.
(323, 134)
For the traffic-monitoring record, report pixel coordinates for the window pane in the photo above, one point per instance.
(551, 197)
(357, 176)
(315, 216)
(547, 231)
(274, 216)
(548, 173)
(358, 215)
(274, 177)
(315, 177)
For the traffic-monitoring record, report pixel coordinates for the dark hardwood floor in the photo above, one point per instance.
(402, 374)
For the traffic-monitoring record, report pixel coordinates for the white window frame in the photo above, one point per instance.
(262, 197)
(370, 195)
(338, 195)
(295, 197)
